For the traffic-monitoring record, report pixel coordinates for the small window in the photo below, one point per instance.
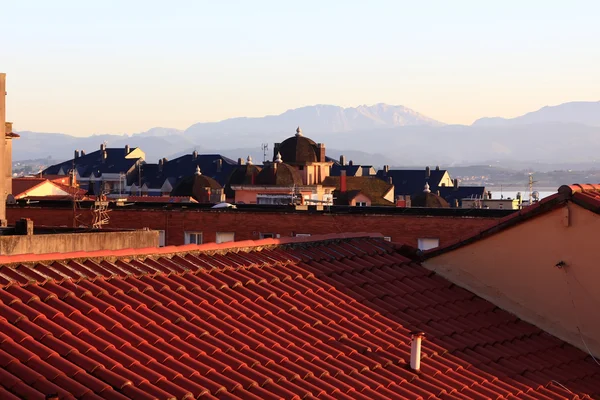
(428, 243)
(161, 238)
(193, 238)
(361, 204)
(267, 235)
(224, 237)
(387, 238)
(302, 234)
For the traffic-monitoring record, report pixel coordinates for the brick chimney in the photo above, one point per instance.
(321, 147)
(82, 153)
(343, 181)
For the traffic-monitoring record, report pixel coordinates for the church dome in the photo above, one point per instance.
(299, 149)
(428, 199)
(242, 175)
(195, 186)
(279, 174)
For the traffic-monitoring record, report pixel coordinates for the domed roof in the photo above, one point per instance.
(428, 199)
(298, 149)
(242, 175)
(195, 186)
(279, 174)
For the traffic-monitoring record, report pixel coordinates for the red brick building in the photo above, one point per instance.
(185, 223)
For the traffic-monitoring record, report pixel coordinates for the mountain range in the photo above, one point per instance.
(375, 135)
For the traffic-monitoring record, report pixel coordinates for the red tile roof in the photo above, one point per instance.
(22, 185)
(274, 319)
(161, 199)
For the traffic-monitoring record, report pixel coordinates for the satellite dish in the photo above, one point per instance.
(535, 195)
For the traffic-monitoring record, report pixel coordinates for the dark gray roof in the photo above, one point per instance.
(462, 192)
(351, 170)
(115, 163)
(184, 166)
(412, 181)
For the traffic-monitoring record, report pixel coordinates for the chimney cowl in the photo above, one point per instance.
(415, 351)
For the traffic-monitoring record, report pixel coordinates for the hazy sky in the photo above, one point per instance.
(84, 67)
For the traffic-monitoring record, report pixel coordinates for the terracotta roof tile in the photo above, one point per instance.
(272, 319)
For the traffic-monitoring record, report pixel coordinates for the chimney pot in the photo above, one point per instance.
(342, 160)
(427, 173)
(76, 154)
(351, 163)
(415, 351)
(127, 149)
(386, 168)
(194, 154)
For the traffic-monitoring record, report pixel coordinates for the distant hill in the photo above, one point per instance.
(579, 112)
(376, 135)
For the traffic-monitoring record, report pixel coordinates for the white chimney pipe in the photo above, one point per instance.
(415, 351)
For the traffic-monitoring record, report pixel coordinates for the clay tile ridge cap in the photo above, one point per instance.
(208, 247)
(578, 188)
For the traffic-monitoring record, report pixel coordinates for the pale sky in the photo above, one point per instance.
(124, 66)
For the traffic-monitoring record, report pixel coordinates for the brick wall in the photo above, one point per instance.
(248, 225)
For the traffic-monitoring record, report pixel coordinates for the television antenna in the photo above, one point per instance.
(532, 195)
(265, 148)
(100, 211)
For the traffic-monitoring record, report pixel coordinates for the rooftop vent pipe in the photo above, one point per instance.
(415, 351)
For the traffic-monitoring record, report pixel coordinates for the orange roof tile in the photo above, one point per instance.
(273, 319)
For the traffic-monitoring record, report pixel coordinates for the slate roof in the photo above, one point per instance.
(195, 186)
(241, 175)
(351, 170)
(411, 181)
(429, 200)
(282, 175)
(92, 163)
(297, 150)
(184, 166)
(450, 194)
(372, 187)
(329, 317)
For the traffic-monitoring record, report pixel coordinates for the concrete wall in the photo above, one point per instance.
(516, 270)
(69, 242)
(3, 193)
(247, 225)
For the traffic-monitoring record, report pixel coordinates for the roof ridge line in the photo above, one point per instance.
(167, 250)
